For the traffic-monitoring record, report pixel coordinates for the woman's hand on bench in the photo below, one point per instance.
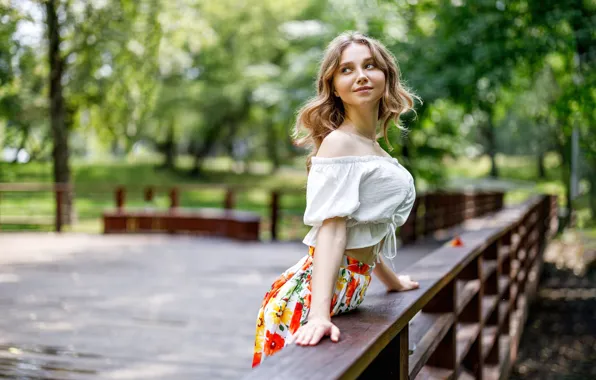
(392, 281)
(402, 284)
(313, 331)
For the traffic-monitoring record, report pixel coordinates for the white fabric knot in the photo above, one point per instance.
(391, 241)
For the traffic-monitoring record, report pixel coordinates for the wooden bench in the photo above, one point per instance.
(212, 222)
(236, 224)
(464, 322)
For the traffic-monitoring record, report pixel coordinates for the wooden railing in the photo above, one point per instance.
(437, 211)
(464, 322)
(57, 218)
(432, 211)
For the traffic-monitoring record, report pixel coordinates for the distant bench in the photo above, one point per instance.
(236, 224)
(464, 322)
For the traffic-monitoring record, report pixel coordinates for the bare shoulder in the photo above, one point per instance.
(336, 144)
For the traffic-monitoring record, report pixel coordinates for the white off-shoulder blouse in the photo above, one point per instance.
(374, 193)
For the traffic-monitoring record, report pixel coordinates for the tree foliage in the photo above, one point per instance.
(226, 77)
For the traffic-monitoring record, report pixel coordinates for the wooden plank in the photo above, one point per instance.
(533, 253)
(515, 240)
(503, 285)
(488, 268)
(489, 302)
(503, 254)
(426, 332)
(533, 237)
(521, 255)
(513, 295)
(466, 290)
(503, 313)
(499, 371)
(522, 232)
(489, 334)
(33, 187)
(392, 361)
(515, 266)
(521, 276)
(466, 335)
(27, 220)
(434, 373)
(465, 375)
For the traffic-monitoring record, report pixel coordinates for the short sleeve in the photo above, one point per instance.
(403, 210)
(332, 190)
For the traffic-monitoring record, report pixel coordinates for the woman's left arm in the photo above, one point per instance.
(392, 281)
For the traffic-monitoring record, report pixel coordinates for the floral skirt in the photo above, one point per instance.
(286, 305)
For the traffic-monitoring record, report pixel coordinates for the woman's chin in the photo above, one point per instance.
(363, 102)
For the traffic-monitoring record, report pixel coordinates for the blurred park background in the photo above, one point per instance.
(107, 93)
(166, 92)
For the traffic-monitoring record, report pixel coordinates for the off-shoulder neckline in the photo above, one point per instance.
(351, 159)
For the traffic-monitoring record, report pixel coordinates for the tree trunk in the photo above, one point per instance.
(203, 148)
(592, 194)
(492, 147)
(540, 163)
(24, 138)
(564, 149)
(272, 147)
(169, 148)
(57, 107)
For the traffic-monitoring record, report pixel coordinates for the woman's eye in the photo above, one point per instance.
(344, 70)
(370, 66)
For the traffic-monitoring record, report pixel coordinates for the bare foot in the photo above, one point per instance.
(404, 283)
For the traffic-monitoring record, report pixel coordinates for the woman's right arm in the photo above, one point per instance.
(331, 244)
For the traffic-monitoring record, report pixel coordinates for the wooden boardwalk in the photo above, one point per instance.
(137, 307)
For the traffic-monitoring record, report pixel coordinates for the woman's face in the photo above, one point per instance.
(357, 80)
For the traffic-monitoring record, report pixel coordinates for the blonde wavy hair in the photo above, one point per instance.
(325, 112)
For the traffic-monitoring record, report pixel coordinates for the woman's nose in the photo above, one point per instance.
(362, 78)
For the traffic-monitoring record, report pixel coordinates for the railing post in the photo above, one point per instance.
(174, 198)
(274, 214)
(59, 209)
(444, 355)
(229, 200)
(393, 361)
(429, 214)
(120, 195)
(148, 194)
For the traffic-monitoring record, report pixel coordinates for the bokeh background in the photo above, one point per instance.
(106, 93)
(154, 92)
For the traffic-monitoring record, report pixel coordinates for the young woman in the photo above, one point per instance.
(356, 197)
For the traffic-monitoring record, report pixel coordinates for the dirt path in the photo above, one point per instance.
(559, 341)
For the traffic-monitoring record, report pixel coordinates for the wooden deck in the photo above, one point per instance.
(131, 307)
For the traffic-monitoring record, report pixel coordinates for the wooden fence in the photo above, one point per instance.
(432, 211)
(464, 322)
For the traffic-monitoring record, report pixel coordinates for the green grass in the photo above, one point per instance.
(511, 167)
(94, 184)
